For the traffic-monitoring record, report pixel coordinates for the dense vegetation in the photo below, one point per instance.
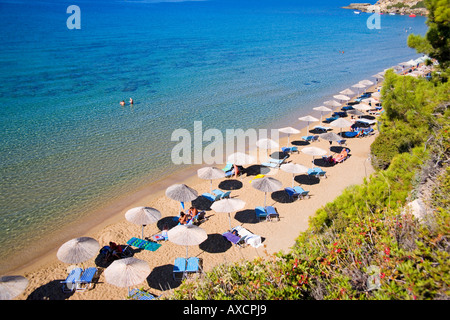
(367, 244)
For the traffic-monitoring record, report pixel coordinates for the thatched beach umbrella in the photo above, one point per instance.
(12, 286)
(356, 112)
(289, 131)
(240, 159)
(143, 216)
(181, 193)
(127, 272)
(266, 184)
(366, 82)
(228, 205)
(78, 250)
(332, 103)
(267, 144)
(314, 152)
(359, 86)
(210, 173)
(362, 107)
(340, 123)
(293, 168)
(347, 92)
(330, 136)
(187, 235)
(308, 119)
(322, 109)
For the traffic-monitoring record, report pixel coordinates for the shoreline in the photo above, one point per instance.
(113, 211)
(111, 224)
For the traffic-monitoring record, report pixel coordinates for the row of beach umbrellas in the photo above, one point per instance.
(131, 271)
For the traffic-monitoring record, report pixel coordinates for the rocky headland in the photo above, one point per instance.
(402, 7)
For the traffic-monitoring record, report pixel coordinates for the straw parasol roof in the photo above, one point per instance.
(78, 250)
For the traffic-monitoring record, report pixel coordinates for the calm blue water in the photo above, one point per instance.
(67, 144)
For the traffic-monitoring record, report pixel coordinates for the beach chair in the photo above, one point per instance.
(233, 238)
(182, 268)
(272, 214)
(315, 138)
(143, 244)
(342, 142)
(161, 237)
(291, 193)
(138, 294)
(260, 213)
(199, 218)
(308, 138)
(312, 173)
(301, 192)
(294, 149)
(274, 163)
(86, 280)
(286, 149)
(350, 134)
(320, 173)
(225, 195)
(331, 119)
(210, 197)
(228, 167)
(247, 237)
(222, 194)
(70, 284)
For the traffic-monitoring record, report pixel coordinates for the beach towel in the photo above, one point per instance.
(143, 244)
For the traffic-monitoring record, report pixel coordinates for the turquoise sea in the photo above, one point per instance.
(68, 146)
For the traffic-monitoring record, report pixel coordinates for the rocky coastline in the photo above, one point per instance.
(401, 7)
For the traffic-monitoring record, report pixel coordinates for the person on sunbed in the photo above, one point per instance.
(184, 218)
(114, 251)
(193, 211)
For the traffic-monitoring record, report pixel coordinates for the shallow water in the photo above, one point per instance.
(67, 144)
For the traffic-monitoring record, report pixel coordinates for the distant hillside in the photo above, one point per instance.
(392, 6)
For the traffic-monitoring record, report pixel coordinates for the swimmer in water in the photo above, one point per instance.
(122, 103)
(131, 101)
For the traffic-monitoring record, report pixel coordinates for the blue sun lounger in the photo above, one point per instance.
(291, 192)
(86, 278)
(70, 284)
(301, 192)
(182, 267)
(260, 212)
(210, 197)
(222, 194)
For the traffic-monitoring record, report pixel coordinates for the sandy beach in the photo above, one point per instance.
(45, 274)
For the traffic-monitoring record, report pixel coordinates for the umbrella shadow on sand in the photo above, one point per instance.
(305, 179)
(281, 196)
(300, 143)
(161, 278)
(230, 185)
(201, 203)
(215, 243)
(257, 169)
(246, 216)
(338, 149)
(50, 291)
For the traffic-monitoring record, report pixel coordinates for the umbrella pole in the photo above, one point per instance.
(293, 177)
(143, 231)
(211, 185)
(229, 219)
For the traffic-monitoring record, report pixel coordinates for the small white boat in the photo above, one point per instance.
(392, 13)
(356, 12)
